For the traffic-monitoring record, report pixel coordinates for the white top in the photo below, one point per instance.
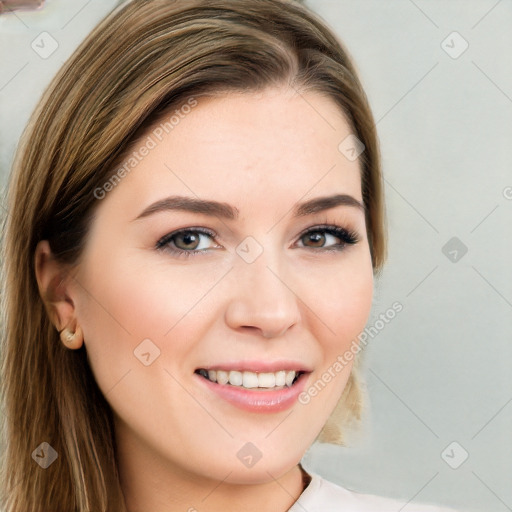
(324, 496)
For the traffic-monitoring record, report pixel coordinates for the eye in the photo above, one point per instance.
(186, 242)
(319, 235)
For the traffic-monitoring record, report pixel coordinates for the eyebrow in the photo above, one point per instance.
(226, 211)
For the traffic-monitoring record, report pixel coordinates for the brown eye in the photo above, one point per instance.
(186, 240)
(315, 237)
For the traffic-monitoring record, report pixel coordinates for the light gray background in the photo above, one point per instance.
(439, 372)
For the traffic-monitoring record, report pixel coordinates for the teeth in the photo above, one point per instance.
(236, 378)
(267, 380)
(251, 380)
(289, 378)
(222, 377)
(280, 378)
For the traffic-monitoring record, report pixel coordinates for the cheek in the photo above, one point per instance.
(340, 299)
(352, 305)
(115, 314)
(339, 314)
(129, 301)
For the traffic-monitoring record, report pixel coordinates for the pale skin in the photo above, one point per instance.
(262, 153)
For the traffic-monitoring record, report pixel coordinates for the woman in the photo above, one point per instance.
(195, 221)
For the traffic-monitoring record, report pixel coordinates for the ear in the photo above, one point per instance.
(53, 280)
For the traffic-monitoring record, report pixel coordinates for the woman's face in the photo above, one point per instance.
(167, 288)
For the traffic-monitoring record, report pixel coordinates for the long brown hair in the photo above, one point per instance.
(146, 57)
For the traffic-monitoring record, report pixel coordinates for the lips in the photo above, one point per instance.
(256, 399)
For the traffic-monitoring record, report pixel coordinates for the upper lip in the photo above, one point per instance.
(258, 366)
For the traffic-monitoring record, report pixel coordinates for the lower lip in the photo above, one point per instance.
(258, 401)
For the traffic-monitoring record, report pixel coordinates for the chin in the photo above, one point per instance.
(261, 473)
(266, 469)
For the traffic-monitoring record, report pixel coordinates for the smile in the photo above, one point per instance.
(260, 392)
(252, 380)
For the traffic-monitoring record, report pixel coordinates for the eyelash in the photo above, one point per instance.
(347, 237)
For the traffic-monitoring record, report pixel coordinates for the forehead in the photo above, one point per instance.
(276, 146)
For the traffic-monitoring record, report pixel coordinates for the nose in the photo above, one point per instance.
(262, 298)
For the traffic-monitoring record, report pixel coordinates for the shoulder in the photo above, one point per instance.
(324, 496)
